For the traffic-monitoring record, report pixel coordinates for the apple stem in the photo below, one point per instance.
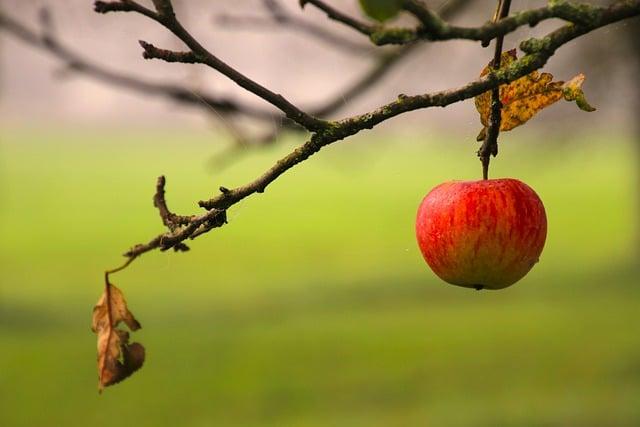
(490, 145)
(485, 167)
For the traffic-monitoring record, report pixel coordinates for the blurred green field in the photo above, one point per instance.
(313, 307)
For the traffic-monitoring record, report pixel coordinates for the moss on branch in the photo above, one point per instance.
(434, 28)
(583, 18)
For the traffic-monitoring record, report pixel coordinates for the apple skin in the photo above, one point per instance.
(483, 234)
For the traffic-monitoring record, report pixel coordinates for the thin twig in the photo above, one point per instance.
(384, 64)
(115, 270)
(336, 15)
(200, 54)
(278, 18)
(73, 61)
(434, 28)
(169, 219)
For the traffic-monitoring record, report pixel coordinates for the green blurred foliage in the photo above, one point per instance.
(313, 307)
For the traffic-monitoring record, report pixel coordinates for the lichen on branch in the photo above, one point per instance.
(328, 132)
(180, 228)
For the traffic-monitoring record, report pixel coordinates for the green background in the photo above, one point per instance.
(313, 307)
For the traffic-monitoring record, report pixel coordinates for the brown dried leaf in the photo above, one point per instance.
(526, 96)
(117, 358)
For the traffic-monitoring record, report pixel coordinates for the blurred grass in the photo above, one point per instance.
(313, 306)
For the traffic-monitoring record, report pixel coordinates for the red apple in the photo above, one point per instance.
(481, 234)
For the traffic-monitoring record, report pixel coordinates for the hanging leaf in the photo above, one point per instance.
(381, 10)
(523, 98)
(117, 358)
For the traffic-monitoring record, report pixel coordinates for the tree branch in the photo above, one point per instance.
(73, 61)
(164, 15)
(336, 15)
(538, 52)
(46, 41)
(278, 17)
(169, 219)
(123, 6)
(434, 28)
(385, 63)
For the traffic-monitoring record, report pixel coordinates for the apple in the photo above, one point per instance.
(483, 234)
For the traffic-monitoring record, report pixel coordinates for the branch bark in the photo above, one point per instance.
(538, 51)
(229, 108)
(199, 54)
(434, 28)
(385, 63)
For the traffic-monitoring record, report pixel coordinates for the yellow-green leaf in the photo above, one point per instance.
(525, 97)
(381, 10)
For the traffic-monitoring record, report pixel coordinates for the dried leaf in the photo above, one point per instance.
(117, 358)
(526, 96)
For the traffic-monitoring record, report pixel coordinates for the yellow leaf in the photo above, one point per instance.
(117, 358)
(523, 98)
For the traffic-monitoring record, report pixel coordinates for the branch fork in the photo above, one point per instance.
(152, 52)
(584, 18)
